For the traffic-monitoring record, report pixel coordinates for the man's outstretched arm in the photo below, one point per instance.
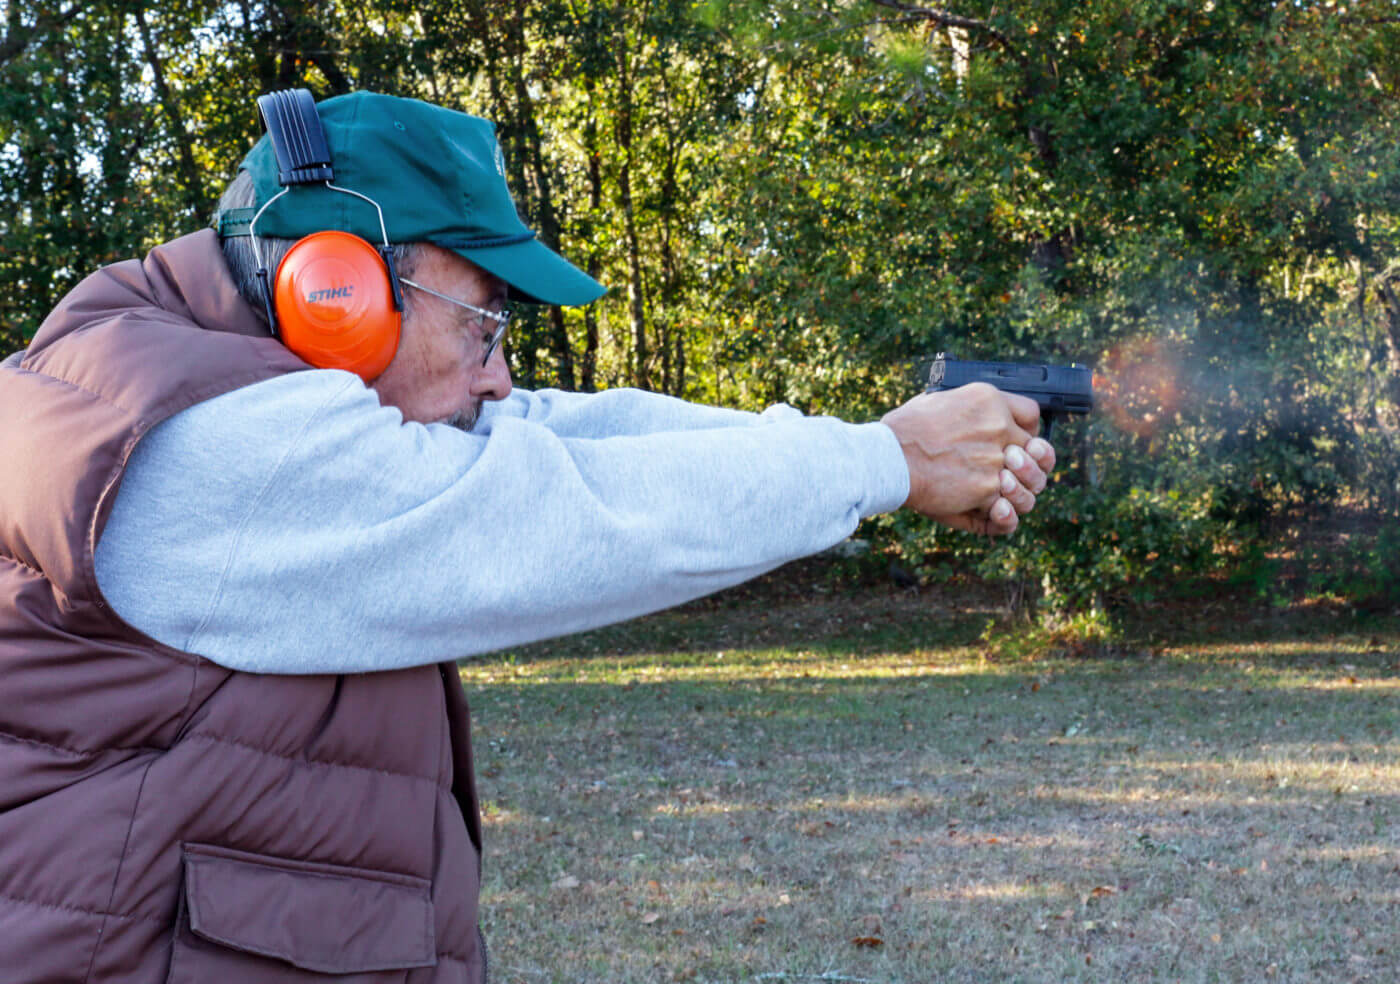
(302, 528)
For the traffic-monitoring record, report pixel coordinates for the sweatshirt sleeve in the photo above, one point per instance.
(297, 526)
(618, 413)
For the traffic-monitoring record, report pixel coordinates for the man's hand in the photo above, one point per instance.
(974, 462)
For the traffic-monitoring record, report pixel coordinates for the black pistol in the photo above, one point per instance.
(1058, 389)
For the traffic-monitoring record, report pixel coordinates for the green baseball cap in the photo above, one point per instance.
(438, 176)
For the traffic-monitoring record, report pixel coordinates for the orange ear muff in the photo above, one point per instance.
(335, 306)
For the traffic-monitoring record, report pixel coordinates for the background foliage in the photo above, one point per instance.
(804, 201)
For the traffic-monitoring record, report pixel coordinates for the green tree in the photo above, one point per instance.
(120, 122)
(1131, 183)
(67, 200)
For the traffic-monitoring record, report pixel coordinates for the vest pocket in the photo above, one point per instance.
(255, 917)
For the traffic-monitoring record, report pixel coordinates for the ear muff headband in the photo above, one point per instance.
(336, 300)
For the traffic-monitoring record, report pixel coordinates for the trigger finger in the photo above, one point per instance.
(1026, 413)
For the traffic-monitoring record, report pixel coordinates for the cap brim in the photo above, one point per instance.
(536, 274)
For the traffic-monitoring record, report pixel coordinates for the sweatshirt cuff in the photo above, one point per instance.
(888, 473)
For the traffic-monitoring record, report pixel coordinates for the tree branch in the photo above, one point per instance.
(1386, 291)
(18, 34)
(944, 19)
(194, 187)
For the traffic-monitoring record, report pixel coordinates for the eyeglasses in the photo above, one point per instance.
(502, 318)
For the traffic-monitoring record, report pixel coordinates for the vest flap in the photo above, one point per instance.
(320, 917)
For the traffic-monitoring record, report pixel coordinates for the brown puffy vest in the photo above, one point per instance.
(163, 819)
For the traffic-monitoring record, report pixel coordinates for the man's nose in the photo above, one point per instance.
(493, 381)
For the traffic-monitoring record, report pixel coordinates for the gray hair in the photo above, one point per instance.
(243, 264)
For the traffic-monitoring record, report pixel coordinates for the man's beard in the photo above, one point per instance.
(465, 418)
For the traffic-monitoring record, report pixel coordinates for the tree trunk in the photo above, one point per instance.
(636, 299)
(961, 49)
(1358, 268)
(545, 215)
(506, 114)
(116, 166)
(588, 378)
(255, 30)
(1388, 417)
(1388, 292)
(680, 364)
(189, 171)
(670, 334)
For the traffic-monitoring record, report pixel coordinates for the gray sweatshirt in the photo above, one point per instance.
(298, 526)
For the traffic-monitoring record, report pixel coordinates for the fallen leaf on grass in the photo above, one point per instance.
(1100, 891)
(867, 941)
(650, 918)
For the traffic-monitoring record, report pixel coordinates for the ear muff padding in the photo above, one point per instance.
(335, 307)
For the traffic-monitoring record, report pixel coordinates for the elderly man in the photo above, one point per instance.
(236, 566)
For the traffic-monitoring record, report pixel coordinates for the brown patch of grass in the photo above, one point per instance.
(761, 789)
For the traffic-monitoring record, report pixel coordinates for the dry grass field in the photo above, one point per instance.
(798, 787)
